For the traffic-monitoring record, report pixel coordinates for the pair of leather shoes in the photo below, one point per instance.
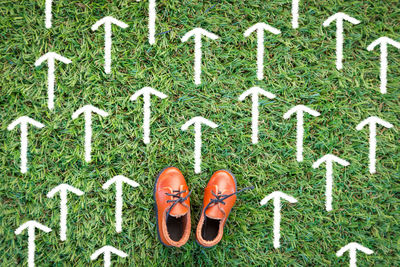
(172, 204)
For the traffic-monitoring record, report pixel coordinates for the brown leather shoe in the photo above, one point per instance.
(172, 204)
(219, 198)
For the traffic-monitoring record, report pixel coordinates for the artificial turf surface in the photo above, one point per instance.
(299, 69)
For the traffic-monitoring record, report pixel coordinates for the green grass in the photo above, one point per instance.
(299, 69)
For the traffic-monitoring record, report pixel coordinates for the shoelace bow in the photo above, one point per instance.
(178, 199)
(219, 198)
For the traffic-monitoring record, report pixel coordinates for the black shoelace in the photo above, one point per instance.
(219, 198)
(178, 199)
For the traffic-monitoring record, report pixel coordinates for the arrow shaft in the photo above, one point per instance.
(197, 59)
(146, 118)
(152, 21)
(339, 44)
(353, 257)
(31, 246)
(254, 118)
(299, 136)
(372, 147)
(63, 215)
(277, 222)
(88, 136)
(48, 14)
(384, 66)
(197, 147)
(107, 259)
(24, 147)
(329, 185)
(107, 47)
(295, 14)
(51, 82)
(118, 207)
(260, 54)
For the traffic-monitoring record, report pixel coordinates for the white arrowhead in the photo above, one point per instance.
(329, 159)
(24, 121)
(197, 33)
(383, 42)
(87, 111)
(31, 226)
(300, 109)
(276, 197)
(339, 18)
(50, 57)
(147, 92)
(107, 250)
(373, 121)
(197, 122)
(119, 180)
(352, 248)
(108, 21)
(63, 189)
(254, 92)
(260, 28)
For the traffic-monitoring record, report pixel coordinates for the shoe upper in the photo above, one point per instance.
(171, 195)
(219, 198)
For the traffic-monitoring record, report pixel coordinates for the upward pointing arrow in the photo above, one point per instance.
(108, 21)
(329, 159)
(383, 42)
(339, 18)
(260, 28)
(197, 33)
(147, 92)
(63, 190)
(51, 57)
(277, 196)
(352, 248)
(300, 109)
(197, 122)
(31, 226)
(24, 121)
(107, 250)
(254, 92)
(118, 181)
(372, 121)
(87, 111)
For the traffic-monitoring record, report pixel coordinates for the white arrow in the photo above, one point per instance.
(329, 159)
(276, 196)
(260, 28)
(152, 21)
(197, 121)
(63, 189)
(119, 180)
(48, 14)
(295, 14)
(87, 110)
(352, 248)
(254, 92)
(147, 92)
(383, 42)
(107, 250)
(24, 121)
(300, 109)
(31, 226)
(50, 57)
(372, 121)
(339, 17)
(108, 21)
(197, 33)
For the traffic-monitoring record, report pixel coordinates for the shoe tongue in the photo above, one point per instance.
(214, 212)
(178, 210)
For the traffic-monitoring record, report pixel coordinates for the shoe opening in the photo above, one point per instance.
(176, 227)
(210, 228)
